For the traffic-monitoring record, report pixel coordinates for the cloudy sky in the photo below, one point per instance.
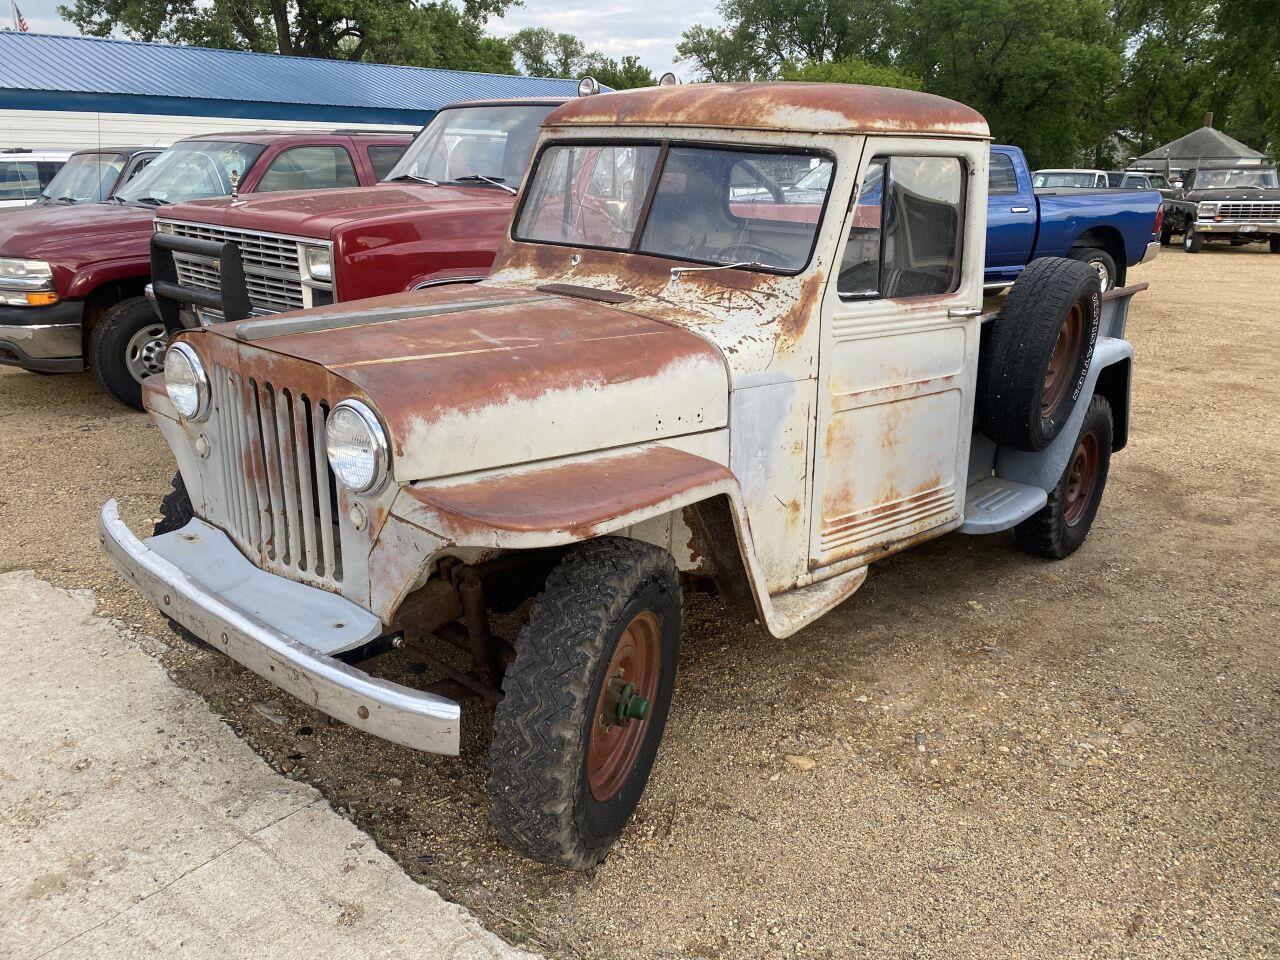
(649, 30)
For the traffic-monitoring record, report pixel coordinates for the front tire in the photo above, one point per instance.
(176, 512)
(127, 346)
(1059, 528)
(1192, 242)
(1275, 244)
(586, 702)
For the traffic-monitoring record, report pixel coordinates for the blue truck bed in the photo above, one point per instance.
(1025, 224)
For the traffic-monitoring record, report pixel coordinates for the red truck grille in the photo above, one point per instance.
(272, 272)
(279, 493)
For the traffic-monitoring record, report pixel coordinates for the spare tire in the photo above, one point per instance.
(1037, 352)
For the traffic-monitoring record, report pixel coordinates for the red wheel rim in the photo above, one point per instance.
(1062, 362)
(1082, 478)
(614, 745)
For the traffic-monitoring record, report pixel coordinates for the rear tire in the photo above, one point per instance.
(127, 346)
(1061, 525)
(1166, 234)
(567, 768)
(1103, 264)
(1192, 242)
(1033, 365)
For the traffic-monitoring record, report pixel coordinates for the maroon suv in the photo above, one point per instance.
(72, 278)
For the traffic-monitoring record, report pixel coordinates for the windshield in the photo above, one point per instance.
(1221, 179)
(191, 170)
(86, 178)
(1063, 178)
(710, 205)
(1159, 182)
(468, 142)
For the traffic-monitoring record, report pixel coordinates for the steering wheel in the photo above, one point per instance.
(739, 252)
(775, 191)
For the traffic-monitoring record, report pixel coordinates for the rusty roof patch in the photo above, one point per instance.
(797, 107)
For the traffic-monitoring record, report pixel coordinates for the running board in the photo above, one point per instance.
(993, 504)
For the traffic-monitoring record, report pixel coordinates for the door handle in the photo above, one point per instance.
(1019, 209)
(964, 312)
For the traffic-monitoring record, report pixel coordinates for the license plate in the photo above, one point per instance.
(1248, 228)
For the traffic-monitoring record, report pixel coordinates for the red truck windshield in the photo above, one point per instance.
(465, 143)
(191, 170)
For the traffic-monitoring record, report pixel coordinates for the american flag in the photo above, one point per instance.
(19, 20)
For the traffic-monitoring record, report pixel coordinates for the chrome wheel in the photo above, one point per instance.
(144, 353)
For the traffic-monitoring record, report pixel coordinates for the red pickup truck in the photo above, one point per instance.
(437, 217)
(72, 277)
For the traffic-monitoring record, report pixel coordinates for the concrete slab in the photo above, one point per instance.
(134, 824)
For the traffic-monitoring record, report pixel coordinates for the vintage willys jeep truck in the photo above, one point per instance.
(683, 365)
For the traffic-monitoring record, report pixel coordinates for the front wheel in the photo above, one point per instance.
(1061, 525)
(1275, 244)
(585, 702)
(1192, 242)
(127, 347)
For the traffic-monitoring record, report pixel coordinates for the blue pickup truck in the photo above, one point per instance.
(1112, 230)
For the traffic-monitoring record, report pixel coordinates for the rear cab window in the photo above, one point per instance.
(383, 157)
(1001, 176)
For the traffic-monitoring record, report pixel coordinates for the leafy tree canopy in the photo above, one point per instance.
(1071, 81)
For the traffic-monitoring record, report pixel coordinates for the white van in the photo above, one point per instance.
(25, 173)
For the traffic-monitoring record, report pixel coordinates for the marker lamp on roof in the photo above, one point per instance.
(668, 79)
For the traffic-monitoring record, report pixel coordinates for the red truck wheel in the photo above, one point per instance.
(127, 346)
(585, 702)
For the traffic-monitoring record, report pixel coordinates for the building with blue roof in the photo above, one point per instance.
(61, 91)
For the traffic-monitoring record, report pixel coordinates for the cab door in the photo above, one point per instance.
(899, 352)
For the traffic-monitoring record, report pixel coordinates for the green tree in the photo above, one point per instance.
(544, 53)
(620, 75)
(851, 70)
(433, 34)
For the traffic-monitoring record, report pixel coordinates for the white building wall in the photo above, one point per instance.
(76, 130)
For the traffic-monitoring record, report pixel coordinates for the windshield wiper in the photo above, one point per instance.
(410, 176)
(497, 182)
(678, 272)
(150, 201)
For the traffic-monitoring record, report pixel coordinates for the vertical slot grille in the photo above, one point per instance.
(280, 498)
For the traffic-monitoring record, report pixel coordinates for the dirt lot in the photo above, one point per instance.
(1010, 758)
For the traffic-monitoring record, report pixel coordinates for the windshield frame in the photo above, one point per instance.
(439, 131)
(665, 145)
(125, 157)
(1259, 170)
(262, 148)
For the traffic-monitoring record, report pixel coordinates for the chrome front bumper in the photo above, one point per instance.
(284, 631)
(1243, 227)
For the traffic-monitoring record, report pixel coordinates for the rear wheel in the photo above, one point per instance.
(1166, 234)
(1103, 264)
(1061, 525)
(585, 702)
(1192, 242)
(127, 347)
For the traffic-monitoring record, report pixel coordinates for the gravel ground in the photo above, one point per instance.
(979, 755)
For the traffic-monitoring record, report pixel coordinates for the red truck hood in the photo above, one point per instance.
(318, 213)
(472, 377)
(73, 235)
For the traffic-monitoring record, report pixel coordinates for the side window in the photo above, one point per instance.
(1001, 177)
(309, 168)
(904, 240)
(19, 180)
(384, 156)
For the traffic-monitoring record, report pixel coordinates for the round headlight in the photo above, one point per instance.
(357, 446)
(185, 381)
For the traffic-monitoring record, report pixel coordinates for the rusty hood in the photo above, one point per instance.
(477, 377)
